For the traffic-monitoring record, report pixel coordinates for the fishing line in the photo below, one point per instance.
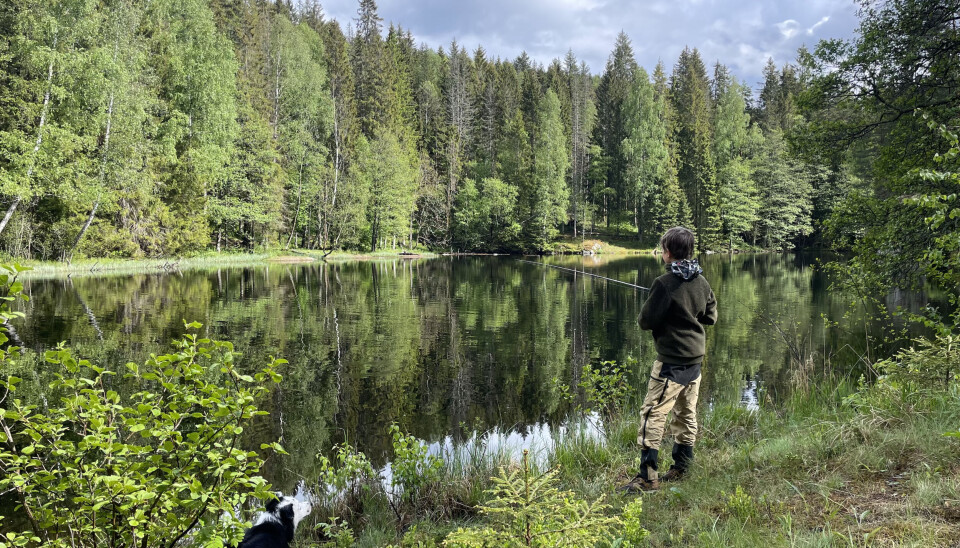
(635, 286)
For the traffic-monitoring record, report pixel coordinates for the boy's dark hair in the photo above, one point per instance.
(679, 242)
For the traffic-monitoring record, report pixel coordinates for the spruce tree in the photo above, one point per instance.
(690, 92)
(460, 116)
(367, 58)
(582, 119)
(670, 202)
(609, 131)
(516, 156)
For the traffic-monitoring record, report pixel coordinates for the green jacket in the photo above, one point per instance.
(679, 306)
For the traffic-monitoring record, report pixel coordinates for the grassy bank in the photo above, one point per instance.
(831, 467)
(84, 267)
(601, 242)
(98, 267)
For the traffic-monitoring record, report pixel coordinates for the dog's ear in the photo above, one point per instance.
(287, 515)
(272, 505)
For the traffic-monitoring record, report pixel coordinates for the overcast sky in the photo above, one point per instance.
(741, 35)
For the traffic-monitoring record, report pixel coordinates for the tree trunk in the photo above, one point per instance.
(606, 211)
(296, 215)
(86, 225)
(636, 221)
(36, 147)
(10, 210)
(336, 175)
(276, 99)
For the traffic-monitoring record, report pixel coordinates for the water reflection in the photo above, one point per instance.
(750, 399)
(447, 347)
(508, 444)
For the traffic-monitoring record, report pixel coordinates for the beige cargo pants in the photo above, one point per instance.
(663, 396)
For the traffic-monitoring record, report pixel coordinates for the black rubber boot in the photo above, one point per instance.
(682, 456)
(646, 480)
(682, 459)
(648, 463)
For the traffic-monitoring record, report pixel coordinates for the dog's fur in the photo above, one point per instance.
(274, 527)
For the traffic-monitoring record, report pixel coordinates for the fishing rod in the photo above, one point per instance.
(635, 286)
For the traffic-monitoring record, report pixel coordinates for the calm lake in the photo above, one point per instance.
(449, 347)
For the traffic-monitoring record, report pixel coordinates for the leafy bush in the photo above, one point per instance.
(413, 468)
(148, 469)
(338, 531)
(605, 388)
(528, 510)
(348, 474)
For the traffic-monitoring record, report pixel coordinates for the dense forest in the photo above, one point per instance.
(134, 129)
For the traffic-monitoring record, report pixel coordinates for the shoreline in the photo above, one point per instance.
(106, 266)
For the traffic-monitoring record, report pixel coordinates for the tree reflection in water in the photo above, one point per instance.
(447, 347)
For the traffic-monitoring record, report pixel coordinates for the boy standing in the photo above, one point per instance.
(680, 304)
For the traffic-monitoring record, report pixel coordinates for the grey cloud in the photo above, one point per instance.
(741, 35)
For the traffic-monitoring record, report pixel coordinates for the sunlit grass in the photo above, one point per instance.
(120, 267)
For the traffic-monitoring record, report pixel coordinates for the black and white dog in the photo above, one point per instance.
(274, 527)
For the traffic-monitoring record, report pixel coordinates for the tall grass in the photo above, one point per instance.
(833, 464)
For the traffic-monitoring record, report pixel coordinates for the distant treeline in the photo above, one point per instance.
(173, 126)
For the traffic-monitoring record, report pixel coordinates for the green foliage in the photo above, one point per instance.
(413, 467)
(339, 533)
(546, 198)
(696, 169)
(740, 505)
(785, 195)
(485, 217)
(13, 539)
(146, 468)
(633, 535)
(941, 207)
(611, 129)
(163, 128)
(388, 171)
(527, 509)
(12, 291)
(735, 142)
(348, 474)
(646, 152)
(605, 387)
(930, 364)
(414, 538)
(859, 105)
(944, 209)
